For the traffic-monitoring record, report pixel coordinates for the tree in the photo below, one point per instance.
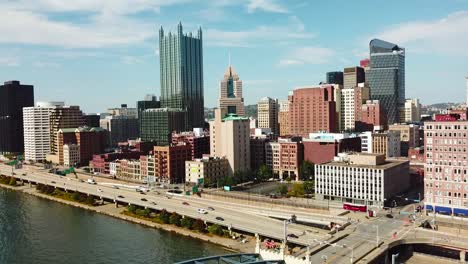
(264, 173)
(199, 225)
(174, 219)
(216, 230)
(90, 200)
(75, 196)
(297, 190)
(12, 181)
(309, 187)
(164, 216)
(283, 189)
(307, 171)
(186, 222)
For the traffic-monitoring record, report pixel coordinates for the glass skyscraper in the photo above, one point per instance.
(181, 61)
(386, 76)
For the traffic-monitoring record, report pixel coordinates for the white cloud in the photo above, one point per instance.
(9, 61)
(307, 55)
(448, 36)
(265, 5)
(30, 28)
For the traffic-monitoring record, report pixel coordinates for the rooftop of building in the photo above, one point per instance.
(365, 160)
(81, 129)
(165, 109)
(233, 117)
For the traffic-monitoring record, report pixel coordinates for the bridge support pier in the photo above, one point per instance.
(257, 243)
(462, 256)
(283, 248)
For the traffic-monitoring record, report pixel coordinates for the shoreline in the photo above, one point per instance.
(226, 243)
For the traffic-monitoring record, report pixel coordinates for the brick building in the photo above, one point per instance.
(372, 117)
(169, 162)
(198, 140)
(323, 147)
(90, 141)
(100, 162)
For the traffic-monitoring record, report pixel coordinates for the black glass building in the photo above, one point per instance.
(386, 77)
(181, 65)
(335, 77)
(13, 97)
(157, 124)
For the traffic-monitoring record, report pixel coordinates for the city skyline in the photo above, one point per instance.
(111, 51)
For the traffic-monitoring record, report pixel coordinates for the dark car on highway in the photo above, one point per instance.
(143, 199)
(120, 196)
(219, 218)
(292, 236)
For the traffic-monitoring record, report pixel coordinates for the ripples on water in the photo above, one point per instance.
(34, 230)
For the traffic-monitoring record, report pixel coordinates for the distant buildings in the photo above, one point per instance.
(313, 109)
(101, 162)
(181, 66)
(120, 127)
(92, 120)
(352, 100)
(410, 111)
(158, 124)
(62, 117)
(206, 170)
(386, 143)
(89, 141)
(335, 77)
(230, 138)
(230, 97)
(386, 77)
(352, 77)
(285, 157)
(283, 118)
(13, 97)
(149, 102)
(445, 179)
(366, 179)
(323, 147)
(198, 140)
(373, 117)
(123, 110)
(267, 114)
(409, 136)
(36, 120)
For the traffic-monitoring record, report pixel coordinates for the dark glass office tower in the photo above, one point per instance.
(335, 77)
(181, 61)
(13, 97)
(149, 102)
(386, 76)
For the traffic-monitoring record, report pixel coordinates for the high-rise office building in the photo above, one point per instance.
(121, 128)
(230, 97)
(283, 118)
(149, 102)
(13, 97)
(372, 118)
(335, 77)
(92, 120)
(181, 65)
(353, 76)
(230, 138)
(352, 100)
(37, 130)
(410, 111)
(63, 117)
(123, 110)
(267, 114)
(313, 109)
(386, 76)
(157, 124)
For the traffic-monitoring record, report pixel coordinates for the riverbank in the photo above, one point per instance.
(111, 210)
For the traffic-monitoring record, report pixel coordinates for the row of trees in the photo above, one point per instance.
(71, 196)
(7, 180)
(298, 189)
(175, 219)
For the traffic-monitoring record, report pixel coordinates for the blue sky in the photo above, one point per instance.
(101, 53)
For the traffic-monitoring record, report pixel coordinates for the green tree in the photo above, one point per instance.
(199, 225)
(216, 230)
(164, 216)
(307, 171)
(309, 187)
(75, 196)
(186, 222)
(297, 190)
(90, 200)
(132, 209)
(283, 189)
(175, 219)
(264, 173)
(12, 181)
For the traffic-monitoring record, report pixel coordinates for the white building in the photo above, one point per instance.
(387, 143)
(36, 124)
(352, 100)
(272, 155)
(411, 111)
(114, 166)
(360, 178)
(71, 154)
(267, 114)
(206, 170)
(366, 142)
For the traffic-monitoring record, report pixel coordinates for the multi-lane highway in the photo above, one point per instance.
(234, 216)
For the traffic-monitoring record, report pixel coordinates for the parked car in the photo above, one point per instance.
(219, 218)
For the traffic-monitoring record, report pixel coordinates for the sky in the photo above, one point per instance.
(102, 53)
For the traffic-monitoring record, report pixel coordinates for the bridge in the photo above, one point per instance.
(233, 259)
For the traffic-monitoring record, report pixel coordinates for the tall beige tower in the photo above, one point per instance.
(267, 114)
(230, 98)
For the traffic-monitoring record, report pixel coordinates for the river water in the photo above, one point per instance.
(39, 231)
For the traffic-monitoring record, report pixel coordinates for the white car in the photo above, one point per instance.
(202, 211)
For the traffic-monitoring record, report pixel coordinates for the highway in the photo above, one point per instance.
(234, 216)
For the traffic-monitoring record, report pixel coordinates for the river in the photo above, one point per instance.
(39, 231)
